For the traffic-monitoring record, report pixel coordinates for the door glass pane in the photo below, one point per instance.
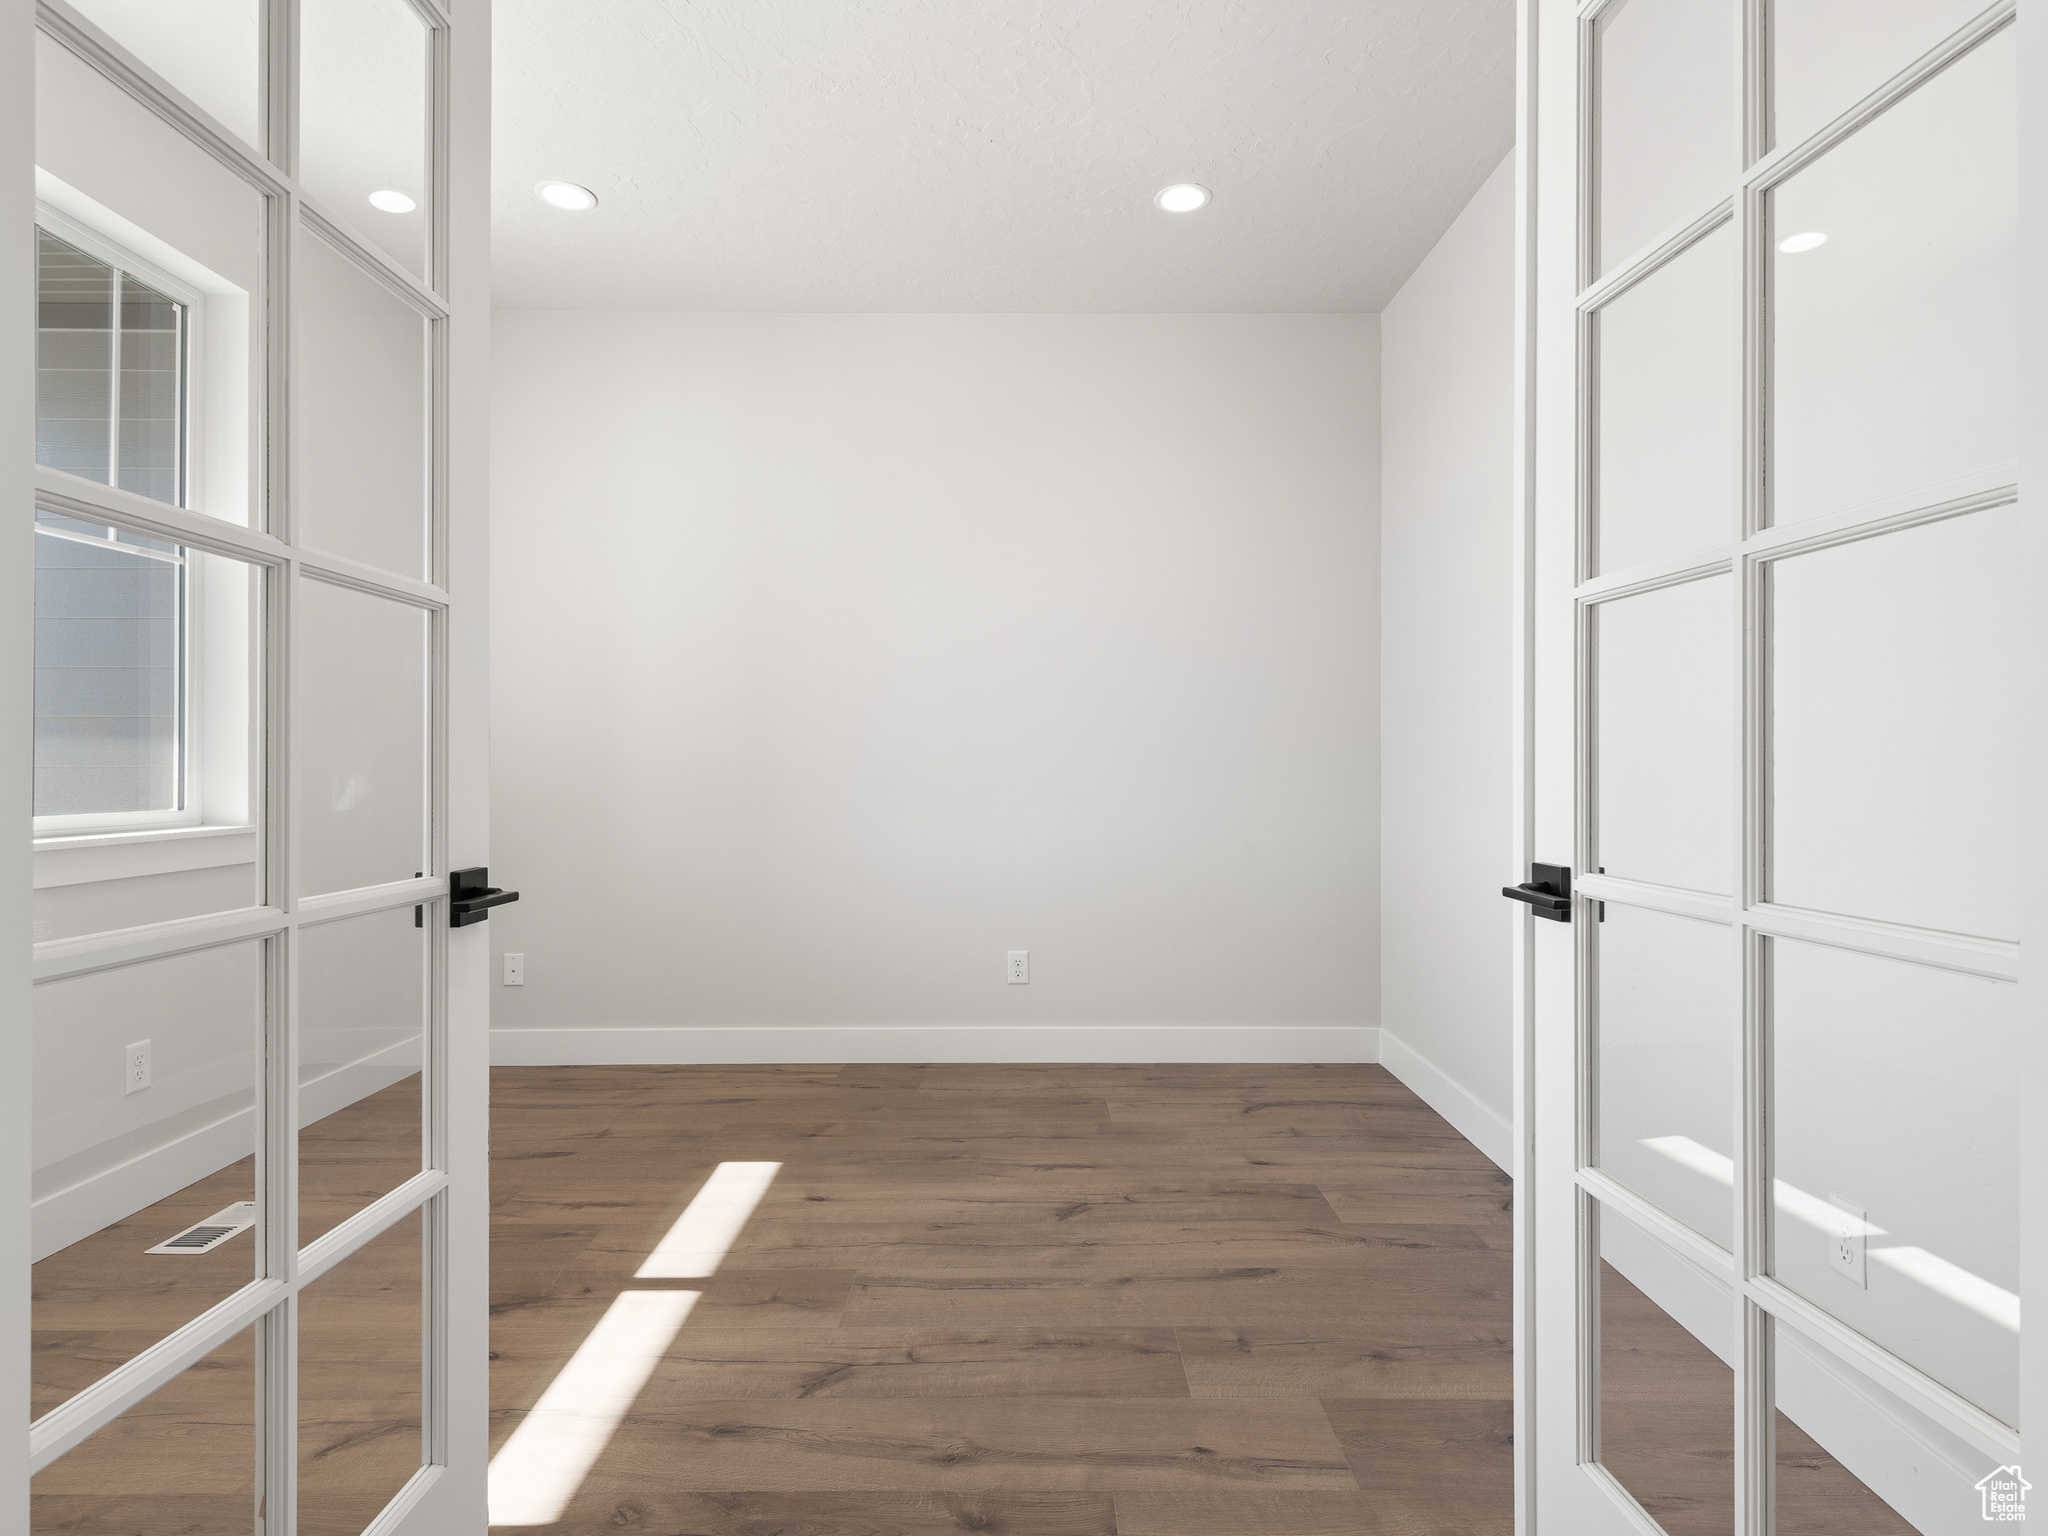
(1894, 661)
(1666, 1052)
(209, 49)
(1840, 1438)
(1894, 342)
(362, 1015)
(1666, 116)
(1664, 751)
(1895, 1143)
(362, 739)
(121, 175)
(360, 1328)
(1827, 55)
(1667, 428)
(145, 1126)
(1667, 1400)
(145, 717)
(362, 415)
(363, 119)
(182, 1462)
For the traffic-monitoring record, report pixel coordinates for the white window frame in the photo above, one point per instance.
(52, 833)
(101, 248)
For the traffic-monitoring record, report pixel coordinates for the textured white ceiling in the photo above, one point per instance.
(1001, 155)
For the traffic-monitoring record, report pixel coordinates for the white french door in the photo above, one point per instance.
(1780, 586)
(247, 1275)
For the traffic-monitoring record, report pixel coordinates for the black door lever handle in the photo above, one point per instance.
(471, 896)
(1548, 891)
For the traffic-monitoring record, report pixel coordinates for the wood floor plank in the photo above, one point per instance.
(1290, 1110)
(1446, 1459)
(619, 1248)
(1243, 1295)
(601, 1204)
(1402, 1357)
(229, 1513)
(1313, 1158)
(1124, 1079)
(733, 1364)
(1400, 1251)
(1192, 1201)
(565, 1304)
(956, 1307)
(553, 1247)
(883, 1105)
(772, 1298)
(641, 1083)
(1407, 1193)
(155, 1293)
(957, 1444)
(600, 1510)
(192, 1439)
(1267, 1512)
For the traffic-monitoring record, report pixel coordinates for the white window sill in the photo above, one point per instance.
(124, 855)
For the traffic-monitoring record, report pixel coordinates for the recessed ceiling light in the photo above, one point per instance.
(566, 194)
(1182, 197)
(392, 202)
(1792, 245)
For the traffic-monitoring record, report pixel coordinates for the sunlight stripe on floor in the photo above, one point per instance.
(538, 1470)
(696, 1245)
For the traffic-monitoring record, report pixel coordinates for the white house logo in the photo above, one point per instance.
(2005, 1494)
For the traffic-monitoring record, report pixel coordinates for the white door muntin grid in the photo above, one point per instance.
(1565, 291)
(281, 565)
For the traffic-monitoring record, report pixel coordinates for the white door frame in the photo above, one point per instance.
(448, 1493)
(2033, 707)
(1552, 1418)
(17, 672)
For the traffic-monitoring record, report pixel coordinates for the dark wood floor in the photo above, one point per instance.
(183, 1461)
(1027, 1300)
(1667, 1432)
(1046, 1301)
(83, 1326)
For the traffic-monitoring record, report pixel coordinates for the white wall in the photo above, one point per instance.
(834, 656)
(1446, 671)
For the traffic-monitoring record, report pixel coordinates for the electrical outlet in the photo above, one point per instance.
(1020, 967)
(135, 1068)
(515, 970)
(1846, 1242)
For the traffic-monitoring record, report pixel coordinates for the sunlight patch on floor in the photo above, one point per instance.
(696, 1245)
(538, 1470)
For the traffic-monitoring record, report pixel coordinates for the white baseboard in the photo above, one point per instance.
(68, 1215)
(1474, 1119)
(607, 1045)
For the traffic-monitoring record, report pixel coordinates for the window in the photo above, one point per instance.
(110, 373)
(113, 636)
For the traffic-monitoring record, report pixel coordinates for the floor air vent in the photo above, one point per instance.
(207, 1235)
